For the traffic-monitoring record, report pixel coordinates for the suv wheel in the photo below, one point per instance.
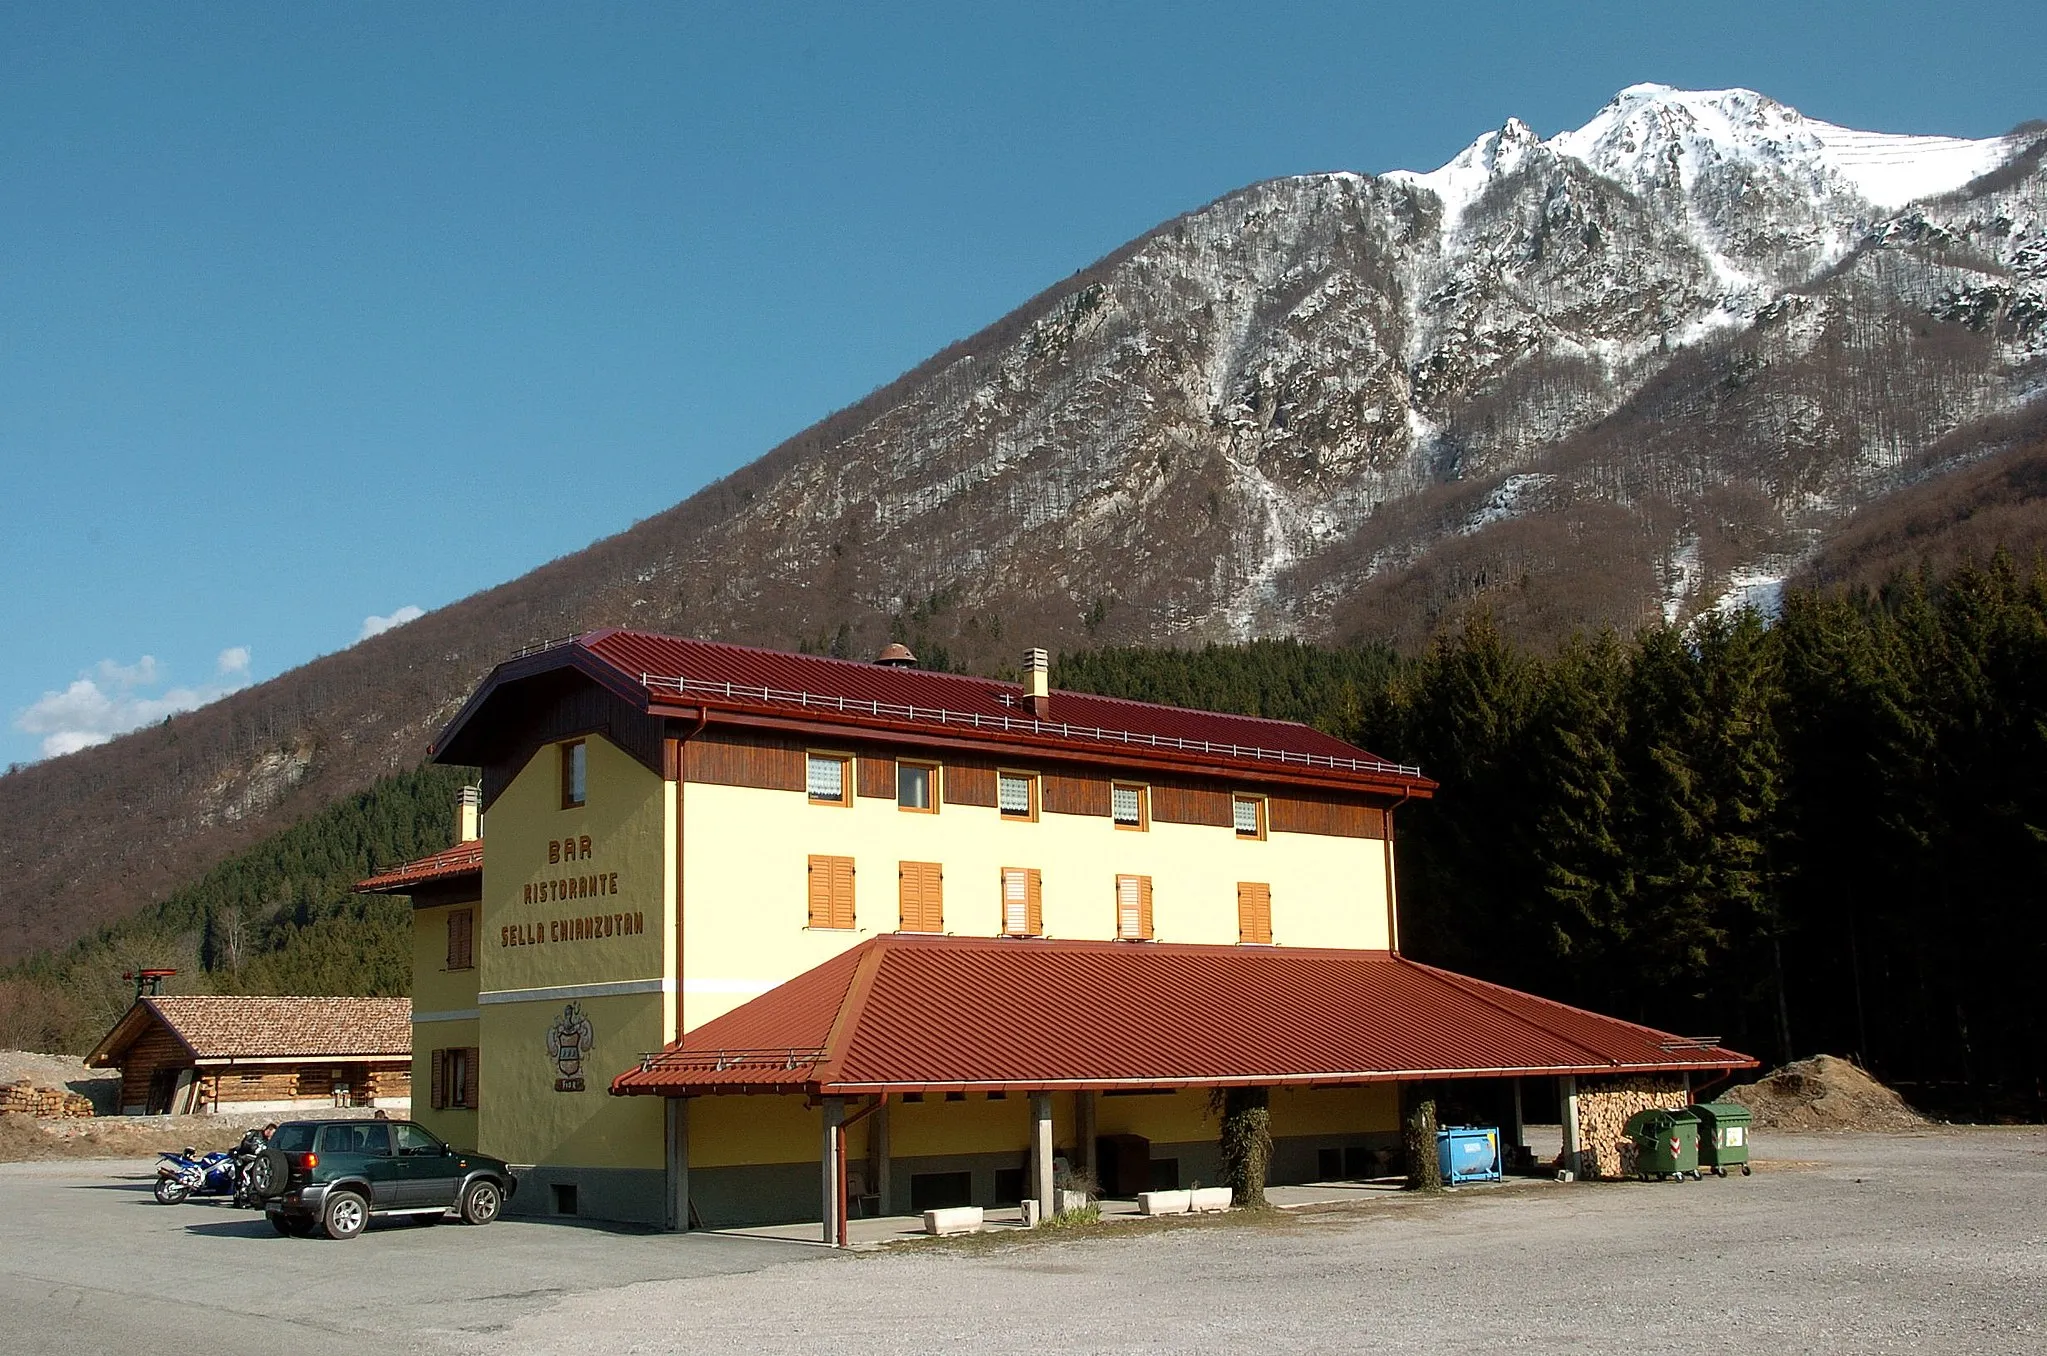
(345, 1215)
(481, 1202)
(266, 1175)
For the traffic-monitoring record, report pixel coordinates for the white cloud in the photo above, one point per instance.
(377, 626)
(112, 698)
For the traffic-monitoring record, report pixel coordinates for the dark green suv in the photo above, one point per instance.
(333, 1176)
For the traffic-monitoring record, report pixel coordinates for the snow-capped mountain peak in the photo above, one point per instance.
(1653, 137)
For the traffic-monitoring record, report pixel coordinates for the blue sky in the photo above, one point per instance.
(313, 315)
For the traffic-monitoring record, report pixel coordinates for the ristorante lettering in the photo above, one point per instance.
(557, 889)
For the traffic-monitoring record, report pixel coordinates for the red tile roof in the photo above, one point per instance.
(672, 675)
(903, 1013)
(463, 859)
(242, 1026)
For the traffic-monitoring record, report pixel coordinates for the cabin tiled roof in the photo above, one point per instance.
(913, 1013)
(685, 678)
(241, 1027)
(463, 859)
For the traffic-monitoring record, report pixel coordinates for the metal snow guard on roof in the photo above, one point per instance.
(968, 720)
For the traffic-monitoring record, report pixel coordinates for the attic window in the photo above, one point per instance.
(1127, 807)
(1016, 794)
(1248, 814)
(917, 787)
(826, 779)
(575, 774)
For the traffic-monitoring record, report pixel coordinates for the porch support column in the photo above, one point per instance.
(834, 1115)
(1567, 1101)
(1084, 1132)
(878, 1150)
(675, 1215)
(1520, 1123)
(1041, 1155)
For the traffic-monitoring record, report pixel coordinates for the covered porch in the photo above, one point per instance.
(915, 1073)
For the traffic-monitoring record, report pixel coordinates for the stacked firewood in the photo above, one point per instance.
(1604, 1106)
(23, 1097)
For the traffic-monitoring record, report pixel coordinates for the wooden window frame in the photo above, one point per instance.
(575, 751)
(846, 773)
(836, 914)
(1146, 932)
(445, 1064)
(1258, 893)
(933, 789)
(1034, 902)
(1264, 829)
(464, 957)
(1143, 790)
(1031, 787)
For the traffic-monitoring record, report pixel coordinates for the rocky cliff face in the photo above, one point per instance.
(1621, 374)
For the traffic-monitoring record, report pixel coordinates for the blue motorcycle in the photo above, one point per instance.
(194, 1174)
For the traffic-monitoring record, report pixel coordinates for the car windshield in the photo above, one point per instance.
(293, 1139)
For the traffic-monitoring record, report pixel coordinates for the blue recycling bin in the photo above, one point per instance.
(1468, 1153)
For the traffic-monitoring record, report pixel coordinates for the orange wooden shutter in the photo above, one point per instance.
(923, 897)
(1016, 901)
(831, 892)
(1133, 908)
(1036, 882)
(1254, 913)
(439, 1085)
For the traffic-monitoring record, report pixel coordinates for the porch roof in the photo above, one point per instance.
(908, 1013)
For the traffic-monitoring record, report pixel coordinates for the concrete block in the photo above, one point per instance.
(959, 1219)
(1208, 1200)
(1164, 1202)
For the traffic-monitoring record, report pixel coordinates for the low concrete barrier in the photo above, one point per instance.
(958, 1219)
(1210, 1200)
(1164, 1202)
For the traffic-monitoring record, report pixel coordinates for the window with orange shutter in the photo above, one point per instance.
(1254, 913)
(461, 939)
(1023, 908)
(922, 891)
(831, 892)
(1133, 908)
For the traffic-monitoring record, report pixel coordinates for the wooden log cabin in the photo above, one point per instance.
(211, 1053)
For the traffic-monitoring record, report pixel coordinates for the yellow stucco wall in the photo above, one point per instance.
(746, 888)
(1335, 1111)
(456, 1125)
(436, 992)
(578, 909)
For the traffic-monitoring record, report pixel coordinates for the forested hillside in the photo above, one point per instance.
(277, 918)
(1827, 834)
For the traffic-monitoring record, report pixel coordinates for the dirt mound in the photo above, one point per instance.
(1823, 1093)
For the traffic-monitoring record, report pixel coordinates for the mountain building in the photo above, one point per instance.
(759, 937)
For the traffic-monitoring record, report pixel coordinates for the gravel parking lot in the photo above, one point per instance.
(1856, 1243)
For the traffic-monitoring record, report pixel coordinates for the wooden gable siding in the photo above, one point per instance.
(1063, 793)
(1325, 815)
(969, 784)
(1190, 805)
(562, 706)
(729, 758)
(877, 776)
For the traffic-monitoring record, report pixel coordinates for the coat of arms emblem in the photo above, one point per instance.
(568, 1044)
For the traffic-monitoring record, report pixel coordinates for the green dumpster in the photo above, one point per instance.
(1666, 1143)
(1723, 1136)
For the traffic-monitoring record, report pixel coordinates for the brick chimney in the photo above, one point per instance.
(469, 814)
(1038, 683)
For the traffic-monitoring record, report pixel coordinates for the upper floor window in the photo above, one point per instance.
(1133, 908)
(1016, 794)
(1248, 814)
(462, 939)
(1127, 806)
(917, 787)
(828, 778)
(575, 774)
(1023, 910)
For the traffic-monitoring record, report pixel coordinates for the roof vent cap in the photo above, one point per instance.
(896, 656)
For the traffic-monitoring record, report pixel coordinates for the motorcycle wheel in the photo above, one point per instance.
(169, 1190)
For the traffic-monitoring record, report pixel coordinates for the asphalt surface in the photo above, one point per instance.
(1862, 1243)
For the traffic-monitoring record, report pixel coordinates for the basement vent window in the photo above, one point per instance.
(564, 1198)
